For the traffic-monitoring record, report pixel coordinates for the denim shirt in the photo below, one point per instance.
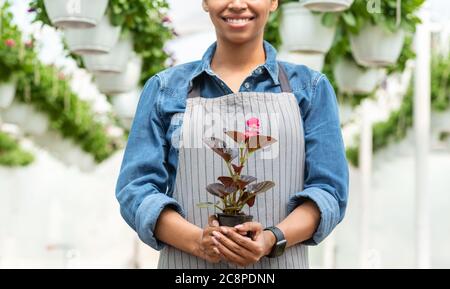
(147, 175)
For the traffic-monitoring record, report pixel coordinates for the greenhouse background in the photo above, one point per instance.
(68, 93)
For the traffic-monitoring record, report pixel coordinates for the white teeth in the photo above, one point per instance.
(238, 21)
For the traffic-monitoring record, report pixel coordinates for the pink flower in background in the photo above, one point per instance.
(10, 42)
(61, 76)
(252, 127)
(166, 19)
(29, 44)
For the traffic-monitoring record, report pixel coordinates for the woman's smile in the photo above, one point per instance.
(238, 21)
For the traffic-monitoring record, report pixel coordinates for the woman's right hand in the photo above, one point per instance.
(208, 250)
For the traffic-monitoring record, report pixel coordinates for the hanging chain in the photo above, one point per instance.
(399, 12)
(27, 91)
(37, 72)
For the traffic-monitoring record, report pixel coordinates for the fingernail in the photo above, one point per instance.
(239, 227)
(215, 241)
(217, 251)
(217, 235)
(224, 230)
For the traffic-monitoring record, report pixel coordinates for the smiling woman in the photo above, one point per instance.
(166, 168)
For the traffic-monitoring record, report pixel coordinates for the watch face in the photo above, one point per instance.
(280, 247)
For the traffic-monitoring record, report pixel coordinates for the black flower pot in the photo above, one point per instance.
(233, 220)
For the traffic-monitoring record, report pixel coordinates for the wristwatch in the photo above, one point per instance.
(280, 243)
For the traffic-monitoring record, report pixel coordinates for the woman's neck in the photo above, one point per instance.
(238, 57)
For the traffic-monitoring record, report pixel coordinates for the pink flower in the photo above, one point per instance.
(10, 42)
(166, 19)
(252, 122)
(252, 127)
(29, 44)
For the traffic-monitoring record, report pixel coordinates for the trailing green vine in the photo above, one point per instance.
(11, 155)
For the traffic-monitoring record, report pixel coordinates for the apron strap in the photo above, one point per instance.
(282, 77)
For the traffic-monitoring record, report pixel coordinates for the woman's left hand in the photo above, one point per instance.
(240, 250)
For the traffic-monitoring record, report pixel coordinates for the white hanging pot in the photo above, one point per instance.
(7, 93)
(125, 104)
(376, 47)
(301, 30)
(112, 83)
(113, 62)
(17, 113)
(37, 123)
(327, 5)
(96, 40)
(27, 118)
(65, 150)
(312, 60)
(351, 78)
(75, 13)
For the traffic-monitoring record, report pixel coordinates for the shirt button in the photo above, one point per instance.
(258, 70)
(247, 85)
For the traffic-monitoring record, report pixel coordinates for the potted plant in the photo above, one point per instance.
(7, 93)
(10, 65)
(144, 21)
(96, 40)
(113, 62)
(75, 13)
(374, 46)
(377, 39)
(312, 60)
(302, 30)
(113, 83)
(26, 117)
(327, 5)
(237, 190)
(351, 78)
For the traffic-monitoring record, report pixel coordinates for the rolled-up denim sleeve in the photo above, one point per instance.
(143, 179)
(326, 168)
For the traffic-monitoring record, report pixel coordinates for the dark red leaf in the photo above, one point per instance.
(237, 136)
(258, 142)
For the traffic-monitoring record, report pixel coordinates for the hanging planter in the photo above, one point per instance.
(125, 104)
(302, 30)
(27, 118)
(353, 79)
(327, 5)
(75, 13)
(97, 40)
(312, 60)
(112, 83)
(374, 46)
(113, 62)
(7, 93)
(65, 150)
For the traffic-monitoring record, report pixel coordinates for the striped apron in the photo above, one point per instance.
(198, 166)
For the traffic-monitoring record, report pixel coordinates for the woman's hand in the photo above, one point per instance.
(207, 249)
(240, 250)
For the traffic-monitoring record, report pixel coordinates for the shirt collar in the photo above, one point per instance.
(270, 65)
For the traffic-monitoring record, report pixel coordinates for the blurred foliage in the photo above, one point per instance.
(11, 155)
(396, 126)
(145, 20)
(48, 90)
